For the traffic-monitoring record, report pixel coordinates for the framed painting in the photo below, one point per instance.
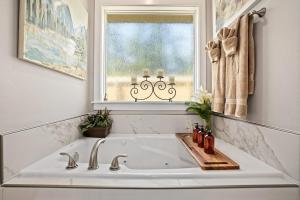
(54, 34)
(226, 11)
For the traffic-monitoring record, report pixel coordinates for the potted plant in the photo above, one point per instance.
(202, 107)
(97, 125)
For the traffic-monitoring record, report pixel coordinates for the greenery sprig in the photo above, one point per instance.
(203, 107)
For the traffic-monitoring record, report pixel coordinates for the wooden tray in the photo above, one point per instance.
(217, 161)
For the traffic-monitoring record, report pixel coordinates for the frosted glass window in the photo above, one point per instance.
(135, 42)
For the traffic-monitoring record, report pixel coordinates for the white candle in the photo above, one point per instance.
(171, 79)
(133, 80)
(146, 72)
(160, 73)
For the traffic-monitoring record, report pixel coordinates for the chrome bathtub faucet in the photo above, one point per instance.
(93, 163)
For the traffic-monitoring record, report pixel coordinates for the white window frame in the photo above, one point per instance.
(99, 62)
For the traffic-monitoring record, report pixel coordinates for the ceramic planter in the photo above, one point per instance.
(97, 132)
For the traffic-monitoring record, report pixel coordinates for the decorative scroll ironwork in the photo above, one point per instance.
(153, 88)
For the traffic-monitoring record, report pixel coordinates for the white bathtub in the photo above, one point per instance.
(154, 161)
(144, 153)
(148, 155)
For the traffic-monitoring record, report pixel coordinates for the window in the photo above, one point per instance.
(154, 38)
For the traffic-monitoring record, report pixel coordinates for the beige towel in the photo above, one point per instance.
(229, 39)
(251, 66)
(217, 58)
(214, 51)
(219, 102)
(238, 45)
(242, 71)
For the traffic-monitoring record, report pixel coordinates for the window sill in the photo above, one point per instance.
(142, 107)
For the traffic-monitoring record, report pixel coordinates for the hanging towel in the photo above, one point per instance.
(242, 77)
(237, 42)
(229, 39)
(233, 67)
(217, 59)
(251, 66)
(214, 51)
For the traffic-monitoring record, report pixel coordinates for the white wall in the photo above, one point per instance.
(276, 101)
(31, 95)
(277, 97)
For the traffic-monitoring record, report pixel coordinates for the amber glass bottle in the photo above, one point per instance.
(195, 132)
(200, 137)
(209, 143)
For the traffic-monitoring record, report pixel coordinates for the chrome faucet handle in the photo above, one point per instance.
(114, 166)
(72, 160)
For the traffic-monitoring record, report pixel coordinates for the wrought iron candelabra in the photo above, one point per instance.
(153, 88)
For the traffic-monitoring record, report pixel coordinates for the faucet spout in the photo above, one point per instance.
(93, 163)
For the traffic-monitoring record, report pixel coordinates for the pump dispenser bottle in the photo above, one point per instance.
(209, 143)
(195, 132)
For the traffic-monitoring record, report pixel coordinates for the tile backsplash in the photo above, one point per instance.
(279, 149)
(21, 148)
(153, 124)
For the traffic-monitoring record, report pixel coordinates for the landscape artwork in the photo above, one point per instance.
(226, 11)
(54, 34)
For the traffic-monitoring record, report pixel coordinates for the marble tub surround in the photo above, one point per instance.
(153, 124)
(253, 173)
(279, 149)
(21, 148)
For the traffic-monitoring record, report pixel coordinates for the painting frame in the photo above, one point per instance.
(244, 9)
(79, 48)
